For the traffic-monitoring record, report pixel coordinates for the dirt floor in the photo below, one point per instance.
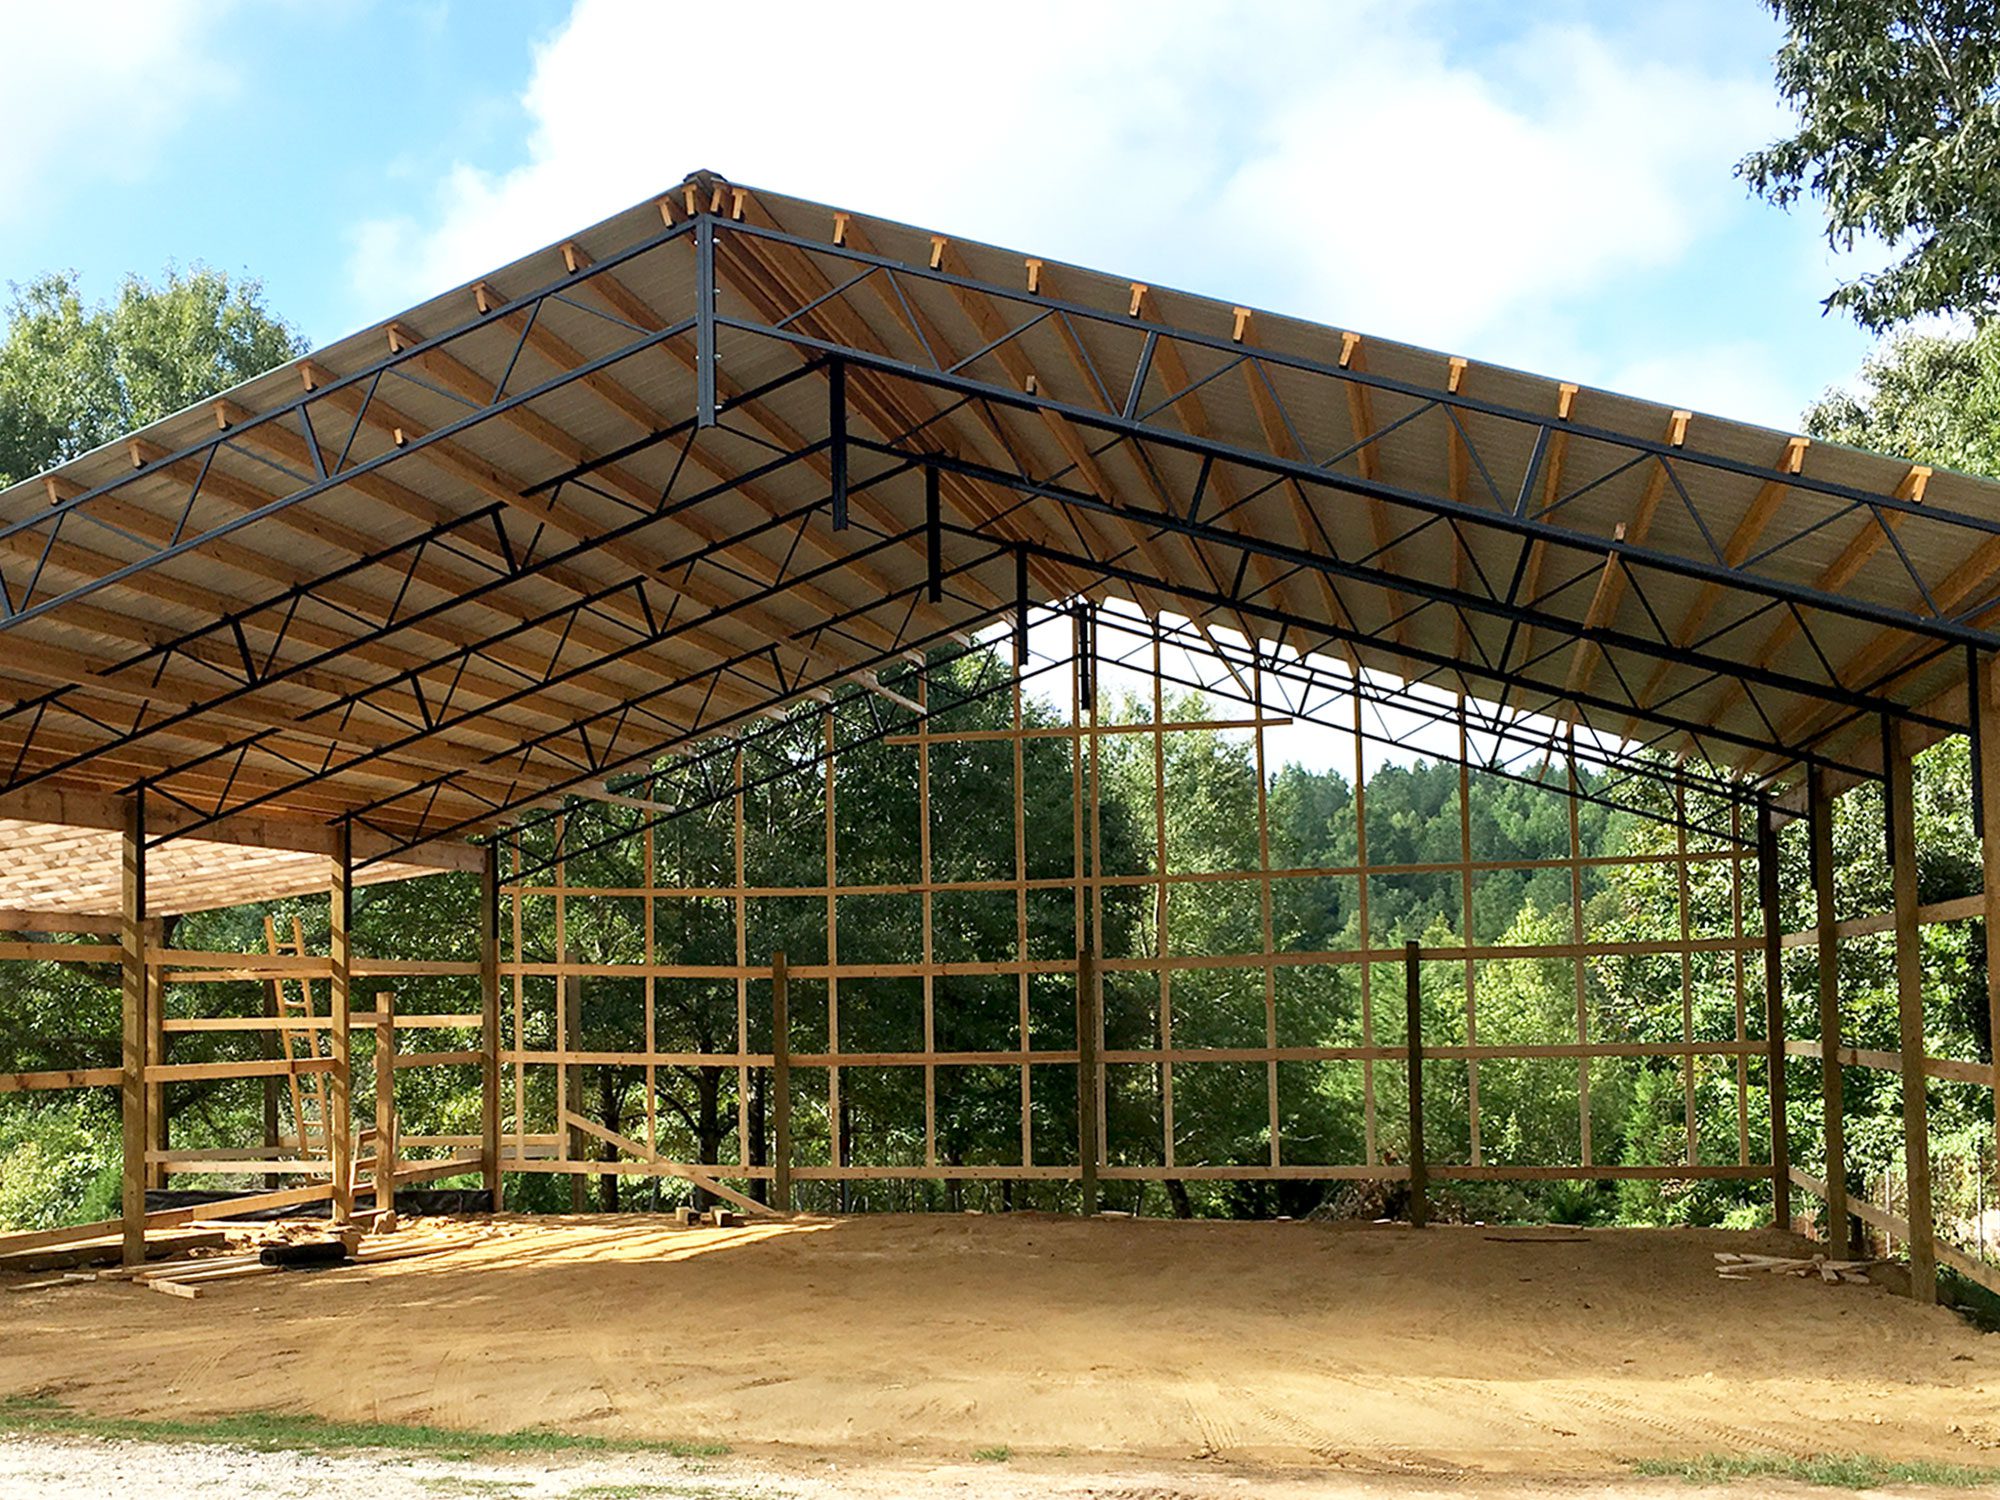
(88, 1470)
(1427, 1357)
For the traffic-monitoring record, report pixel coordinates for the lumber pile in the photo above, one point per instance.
(174, 1272)
(1734, 1266)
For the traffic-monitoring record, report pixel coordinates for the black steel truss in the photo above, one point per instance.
(243, 648)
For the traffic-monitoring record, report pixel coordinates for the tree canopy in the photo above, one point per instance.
(1898, 133)
(74, 375)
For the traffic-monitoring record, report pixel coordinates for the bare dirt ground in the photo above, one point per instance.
(1430, 1360)
(88, 1470)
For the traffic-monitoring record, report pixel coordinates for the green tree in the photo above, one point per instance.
(74, 375)
(1898, 137)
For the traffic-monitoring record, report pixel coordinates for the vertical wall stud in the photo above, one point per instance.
(386, 1148)
(1086, 1076)
(781, 1087)
(133, 995)
(1832, 1093)
(1986, 757)
(1413, 1013)
(1774, 1016)
(489, 1026)
(340, 969)
(1910, 1012)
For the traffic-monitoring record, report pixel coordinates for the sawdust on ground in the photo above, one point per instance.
(1366, 1349)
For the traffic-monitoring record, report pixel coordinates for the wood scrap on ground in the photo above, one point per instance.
(1734, 1265)
(68, 1278)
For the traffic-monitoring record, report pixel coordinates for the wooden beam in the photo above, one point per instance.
(386, 1147)
(1086, 1076)
(781, 1087)
(1413, 1021)
(1987, 746)
(1774, 1017)
(1910, 1014)
(133, 992)
(1820, 830)
(489, 1025)
(340, 957)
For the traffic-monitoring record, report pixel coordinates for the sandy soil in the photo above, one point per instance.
(1365, 1350)
(88, 1470)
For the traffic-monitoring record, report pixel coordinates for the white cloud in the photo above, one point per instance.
(1333, 161)
(94, 86)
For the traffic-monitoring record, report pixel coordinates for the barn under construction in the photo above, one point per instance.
(736, 495)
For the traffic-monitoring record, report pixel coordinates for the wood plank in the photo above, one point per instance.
(1910, 1016)
(1774, 1018)
(133, 992)
(1086, 1077)
(339, 1124)
(1834, 1110)
(489, 1021)
(1413, 1021)
(781, 1084)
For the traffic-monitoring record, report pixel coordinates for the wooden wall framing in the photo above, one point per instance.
(509, 1141)
(535, 1145)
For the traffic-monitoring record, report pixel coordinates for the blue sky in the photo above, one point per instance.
(1545, 186)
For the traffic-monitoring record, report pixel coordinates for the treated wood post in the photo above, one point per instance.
(340, 968)
(489, 1027)
(156, 1055)
(1910, 1012)
(1820, 812)
(1988, 749)
(781, 1087)
(1413, 1020)
(1774, 1016)
(132, 1010)
(386, 1151)
(1086, 1077)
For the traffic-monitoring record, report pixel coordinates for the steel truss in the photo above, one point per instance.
(1195, 490)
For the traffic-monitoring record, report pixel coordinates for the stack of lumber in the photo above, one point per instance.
(1734, 1266)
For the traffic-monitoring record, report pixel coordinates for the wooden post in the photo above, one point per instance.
(340, 955)
(272, 1048)
(386, 1150)
(156, 1055)
(489, 1025)
(1910, 1011)
(1820, 812)
(1774, 1016)
(1086, 1076)
(781, 1088)
(1988, 749)
(1413, 1020)
(133, 995)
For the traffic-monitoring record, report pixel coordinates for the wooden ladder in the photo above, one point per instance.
(300, 1039)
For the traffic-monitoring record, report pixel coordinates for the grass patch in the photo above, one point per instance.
(998, 1455)
(273, 1431)
(1850, 1471)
